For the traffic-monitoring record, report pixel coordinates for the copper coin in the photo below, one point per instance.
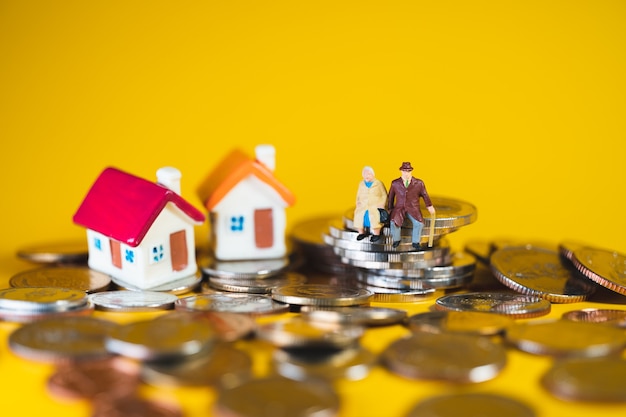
(598, 315)
(133, 406)
(89, 379)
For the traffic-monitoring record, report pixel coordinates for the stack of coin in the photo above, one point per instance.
(34, 303)
(385, 269)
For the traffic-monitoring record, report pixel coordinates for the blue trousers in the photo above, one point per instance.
(417, 230)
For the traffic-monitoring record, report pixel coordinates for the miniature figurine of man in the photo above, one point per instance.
(371, 195)
(404, 201)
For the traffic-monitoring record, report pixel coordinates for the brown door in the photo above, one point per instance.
(263, 228)
(178, 248)
(116, 253)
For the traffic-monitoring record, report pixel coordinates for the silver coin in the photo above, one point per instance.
(438, 253)
(510, 304)
(450, 214)
(564, 338)
(169, 338)
(276, 395)
(178, 286)
(605, 267)
(255, 304)
(538, 271)
(229, 327)
(597, 380)
(301, 364)
(133, 300)
(364, 316)
(41, 299)
(390, 295)
(470, 405)
(62, 339)
(467, 322)
(223, 366)
(18, 316)
(461, 264)
(296, 332)
(258, 285)
(321, 295)
(382, 245)
(73, 277)
(67, 252)
(403, 266)
(413, 283)
(445, 356)
(258, 268)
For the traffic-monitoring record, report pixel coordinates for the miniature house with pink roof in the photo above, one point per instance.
(139, 232)
(247, 206)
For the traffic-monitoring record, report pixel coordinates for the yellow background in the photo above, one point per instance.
(515, 106)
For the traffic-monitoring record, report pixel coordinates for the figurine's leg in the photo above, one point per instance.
(417, 232)
(366, 226)
(395, 234)
(375, 235)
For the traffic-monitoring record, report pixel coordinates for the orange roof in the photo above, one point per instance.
(230, 172)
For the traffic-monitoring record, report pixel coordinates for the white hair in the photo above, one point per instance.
(368, 168)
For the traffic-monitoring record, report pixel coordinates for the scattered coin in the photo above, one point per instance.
(62, 339)
(321, 295)
(594, 380)
(537, 271)
(364, 316)
(223, 366)
(393, 295)
(92, 378)
(133, 405)
(297, 332)
(604, 267)
(69, 252)
(254, 304)
(470, 405)
(248, 269)
(179, 286)
(329, 363)
(597, 315)
(41, 299)
(467, 322)
(228, 327)
(71, 277)
(258, 285)
(170, 337)
(513, 305)
(276, 396)
(445, 356)
(124, 300)
(564, 338)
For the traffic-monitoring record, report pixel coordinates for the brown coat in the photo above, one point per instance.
(403, 200)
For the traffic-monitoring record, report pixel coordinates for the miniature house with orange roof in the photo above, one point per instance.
(140, 232)
(247, 206)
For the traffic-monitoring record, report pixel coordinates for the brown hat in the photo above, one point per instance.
(406, 166)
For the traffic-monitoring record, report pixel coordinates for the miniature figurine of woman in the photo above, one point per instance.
(371, 196)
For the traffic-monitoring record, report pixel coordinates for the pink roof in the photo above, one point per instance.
(123, 206)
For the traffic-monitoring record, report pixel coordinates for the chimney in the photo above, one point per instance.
(169, 177)
(266, 154)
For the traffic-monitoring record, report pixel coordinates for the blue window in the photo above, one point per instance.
(97, 243)
(236, 224)
(156, 254)
(129, 255)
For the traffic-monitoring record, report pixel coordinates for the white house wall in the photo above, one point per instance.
(142, 272)
(242, 200)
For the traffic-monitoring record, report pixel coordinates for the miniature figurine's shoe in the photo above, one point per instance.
(362, 236)
(375, 238)
(396, 244)
(416, 246)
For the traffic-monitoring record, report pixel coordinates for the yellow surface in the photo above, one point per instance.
(515, 106)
